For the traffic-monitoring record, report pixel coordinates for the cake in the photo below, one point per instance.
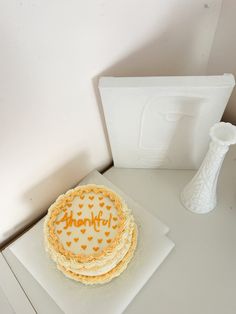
(90, 233)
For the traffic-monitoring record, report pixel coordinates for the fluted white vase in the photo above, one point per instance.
(199, 195)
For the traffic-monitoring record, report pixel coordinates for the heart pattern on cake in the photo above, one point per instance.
(93, 224)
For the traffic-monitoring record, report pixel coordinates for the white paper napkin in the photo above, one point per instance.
(114, 297)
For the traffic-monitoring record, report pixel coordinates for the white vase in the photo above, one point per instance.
(199, 195)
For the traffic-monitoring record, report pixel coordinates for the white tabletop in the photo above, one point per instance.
(12, 297)
(200, 274)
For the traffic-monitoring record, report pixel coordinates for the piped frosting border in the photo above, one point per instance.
(105, 278)
(59, 205)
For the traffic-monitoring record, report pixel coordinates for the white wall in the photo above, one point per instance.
(51, 54)
(223, 52)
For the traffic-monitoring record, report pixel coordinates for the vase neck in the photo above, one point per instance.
(218, 148)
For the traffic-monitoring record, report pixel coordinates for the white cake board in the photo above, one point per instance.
(73, 297)
(162, 122)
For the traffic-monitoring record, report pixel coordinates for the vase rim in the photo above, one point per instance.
(224, 133)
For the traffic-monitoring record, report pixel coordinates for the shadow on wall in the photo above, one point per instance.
(222, 58)
(174, 51)
(40, 196)
(163, 55)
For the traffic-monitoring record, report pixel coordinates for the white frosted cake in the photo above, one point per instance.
(90, 234)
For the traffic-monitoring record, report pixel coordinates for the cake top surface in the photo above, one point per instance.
(86, 223)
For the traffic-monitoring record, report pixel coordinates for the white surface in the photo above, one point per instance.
(12, 297)
(5, 306)
(200, 274)
(112, 297)
(162, 122)
(39, 297)
(51, 55)
(200, 194)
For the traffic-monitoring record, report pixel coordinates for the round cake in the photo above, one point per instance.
(90, 233)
